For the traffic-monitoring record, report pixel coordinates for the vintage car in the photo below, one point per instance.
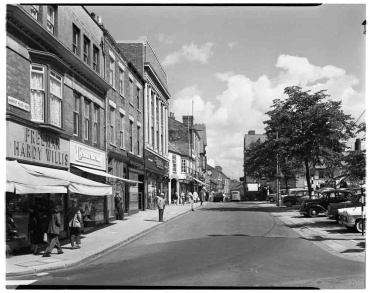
(314, 207)
(333, 208)
(272, 197)
(352, 218)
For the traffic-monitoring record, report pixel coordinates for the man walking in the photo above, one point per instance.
(191, 200)
(161, 204)
(202, 195)
(53, 230)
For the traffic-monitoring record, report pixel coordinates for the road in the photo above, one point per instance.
(220, 245)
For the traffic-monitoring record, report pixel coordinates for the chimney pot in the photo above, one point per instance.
(251, 132)
(93, 15)
(99, 19)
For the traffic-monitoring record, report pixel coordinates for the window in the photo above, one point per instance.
(121, 81)
(96, 124)
(122, 131)
(95, 59)
(157, 139)
(152, 102)
(76, 40)
(87, 120)
(131, 136)
(183, 166)
(174, 164)
(86, 50)
(321, 174)
(111, 72)
(50, 19)
(131, 93)
(76, 115)
(112, 124)
(55, 99)
(153, 135)
(35, 11)
(138, 98)
(138, 140)
(37, 93)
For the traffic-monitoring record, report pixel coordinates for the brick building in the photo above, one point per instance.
(55, 109)
(156, 103)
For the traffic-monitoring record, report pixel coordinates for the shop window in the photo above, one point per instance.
(92, 209)
(95, 58)
(51, 19)
(76, 115)
(35, 10)
(76, 40)
(86, 54)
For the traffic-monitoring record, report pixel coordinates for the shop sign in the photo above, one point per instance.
(159, 163)
(87, 156)
(136, 165)
(25, 143)
(18, 103)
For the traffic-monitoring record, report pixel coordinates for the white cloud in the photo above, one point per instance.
(166, 39)
(244, 102)
(231, 45)
(190, 52)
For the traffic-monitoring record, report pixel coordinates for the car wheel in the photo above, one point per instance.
(288, 204)
(358, 226)
(313, 212)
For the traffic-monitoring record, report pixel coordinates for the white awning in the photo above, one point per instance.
(104, 174)
(77, 184)
(201, 182)
(20, 180)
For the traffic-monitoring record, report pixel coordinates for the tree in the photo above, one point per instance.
(312, 129)
(260, 162)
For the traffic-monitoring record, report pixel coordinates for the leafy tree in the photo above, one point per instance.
(312, 129)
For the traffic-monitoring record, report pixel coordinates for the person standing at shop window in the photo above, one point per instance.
(161, 204)
(53, 230)
(35, 227)
(119, 209)
(74, 218)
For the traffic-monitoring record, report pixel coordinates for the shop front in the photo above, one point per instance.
(32, 147)
(85, 161)
(156, 178)
(135, 201)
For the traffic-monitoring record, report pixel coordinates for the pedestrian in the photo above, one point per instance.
(191, 201)
(202, 195)
(74, 218)
(35, 231)
(161, 204)
(182, 198)
(53, 230)
(195, 196)
(176, 198)
(119, 209)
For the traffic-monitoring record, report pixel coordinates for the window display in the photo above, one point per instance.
(92, 208)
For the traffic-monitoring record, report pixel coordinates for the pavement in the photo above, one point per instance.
(118, 233)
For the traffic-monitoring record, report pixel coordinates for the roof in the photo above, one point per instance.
(249, 138)
(173, 149)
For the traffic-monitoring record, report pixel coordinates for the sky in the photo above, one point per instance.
(232, 61)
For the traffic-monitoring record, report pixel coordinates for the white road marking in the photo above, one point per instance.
(19, 282)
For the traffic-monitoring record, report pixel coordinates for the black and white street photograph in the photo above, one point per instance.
(185, 146)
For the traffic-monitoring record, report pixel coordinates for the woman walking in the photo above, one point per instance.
(74, 225)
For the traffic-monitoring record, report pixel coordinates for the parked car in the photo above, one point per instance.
(272, 197)
(314, 207)
(352, 218)
(293, 196)
(218, 197)
(235, 195)
(333, 208)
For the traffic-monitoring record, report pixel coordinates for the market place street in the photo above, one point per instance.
(219, 245)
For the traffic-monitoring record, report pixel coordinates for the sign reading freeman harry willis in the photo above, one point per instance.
(25, 143)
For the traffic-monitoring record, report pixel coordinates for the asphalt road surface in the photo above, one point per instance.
(221, 245)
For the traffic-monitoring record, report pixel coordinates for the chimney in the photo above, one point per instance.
(99, 20)
(172, 115)
(93, 15)
(358, 145)
(188, 120)
(251, 132)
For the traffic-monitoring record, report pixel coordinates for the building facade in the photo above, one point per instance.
(156, 109)
(55, 109)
